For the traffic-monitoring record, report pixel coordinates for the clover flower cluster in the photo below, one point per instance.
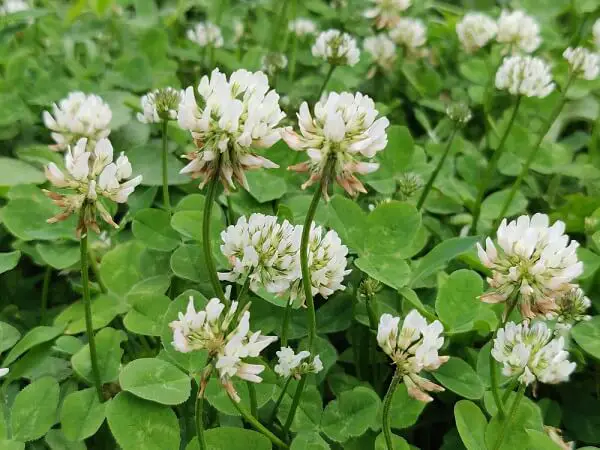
(413, 348)
(225, 336)
(475, 30)
(525, 75)
(273, 63)
(13, 6)
(345, 128)
(583, 63)
(230, 118)
(206, 34)
(531, 353)
(571, 307)
(302, 27)
(382, 49)
(160, 105)
(78, 116)
(410, 34)
(91, 172)
(386, 12)
(519, 31)
(534, 264)
(290, 364)
(337, 48)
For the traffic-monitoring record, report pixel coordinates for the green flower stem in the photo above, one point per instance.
(96, 270)
(279, 25)
(165, 167)
(208, 257)
(257, 425)
(525, 169)
(387, 403)
(510, 388)
(437, 170)
(45, 291)
(253, 401)
(327, 77)
(295, 403)
(200, 420)
(242, 297)
(285, 324)
(511, 415)
(491, 168)
(279, 400)
(372, 311)
(85, 282)
(292, 65)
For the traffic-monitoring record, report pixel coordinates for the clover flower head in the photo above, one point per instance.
(525, 75)
(291, 364)
(344, 127)
(227, 338)
(571, 307)
(596, 33)
(583, 63)
(519, 31)
(160, 105)
(413, 348)
(13, 6)
(459, 112)
(475, 30)
(78, 116)
(302, 27)
(386, 12)
(533, 264)
(337, 48)
(91, 172)
(264, 250)
(532, 354)
(206, 34)
(326, 264)
(410, 34)
(409, 183)
(228, 120)
(273, 63)
(238, 30)
(382, 49)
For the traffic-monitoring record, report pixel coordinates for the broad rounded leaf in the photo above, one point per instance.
(457, 302)
(229, 438)
(9, 260)
(404, 410)
(34, 337)
(109, 353)
(219, 399)
(471, 424)
(146, 314)
(59, 255)
(104, 309)
(14, 171)
(398, 442)
(82, 414)
(9, 336)
(391, 228)
(309, 440)
(587, 336)
(459, 377)
(152, 227)
(34, 410)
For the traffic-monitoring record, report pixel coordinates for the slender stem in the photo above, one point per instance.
(279, 400)
(525, 169)
(292, 65)
(510, 388)
(85, 282)
(295, 403)
(491, 168)
(208, 257)
(437, 170)
(230, 213)
(96, 270)
(257, 425)
(279, 25)
(253, 401)
(45, 291)
(165, 167)
(285, 324)
(327, 77)
(387, 403)
(372, 311)
(511, 415)
(241, 298)
(200, 420)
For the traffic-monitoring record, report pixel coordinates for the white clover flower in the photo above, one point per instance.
(532, 354)
(226, 337)
(387, 12)
(583, 63)
(596, 33)
(475, 30)
(459, 112)
(273, 63)
(326, 264)
(78, 116)
(230, 119)
(91, 172)
(238, 30)
(345, 127)
(534, 262)
(160, 105)
(291, 364)
(519, 31)
(13, 6)
(301, 27)
(413, 348)
(525, 75)
(337, 48)
(411, 34)
(3, 372)
(263, 250)
(382, 49)
(571, 307)
(206, 34)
